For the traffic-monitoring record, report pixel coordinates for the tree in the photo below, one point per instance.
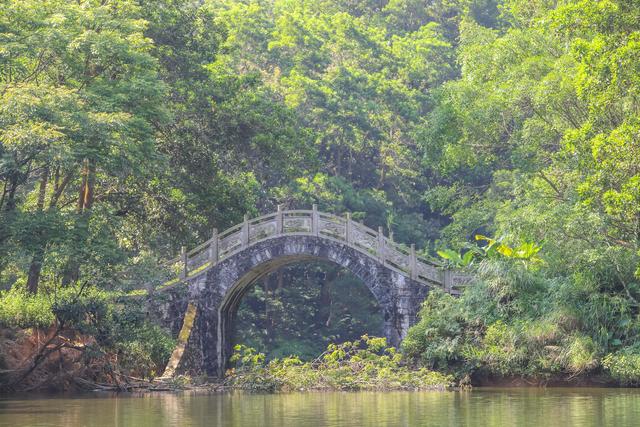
(80, 96)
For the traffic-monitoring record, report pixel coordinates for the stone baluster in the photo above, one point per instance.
(185, 262)
(446, 281)
(244, 234)
(279, 221)
(315, 220)
(413, 265)
(347, 229)
(381, 245)
(213, 247)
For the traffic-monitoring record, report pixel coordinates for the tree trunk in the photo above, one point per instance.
(268, 326)
(33, 278)
(280, 280)
(85, 203)
(35, 268)
(4, 193)
(83, 187)
(13, 186)
(325, 300)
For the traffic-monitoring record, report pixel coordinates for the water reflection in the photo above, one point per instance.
(486, 407)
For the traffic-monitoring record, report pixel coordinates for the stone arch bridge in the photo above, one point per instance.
(201, 300)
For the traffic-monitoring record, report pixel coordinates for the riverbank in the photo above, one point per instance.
(53, 360)
(362, 365)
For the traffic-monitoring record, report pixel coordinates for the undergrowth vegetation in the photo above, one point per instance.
(107, 333)
(513, 321)
(363, 364)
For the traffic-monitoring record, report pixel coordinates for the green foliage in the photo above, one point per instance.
(22, 310)
(624, 365)
(436, 340)
(534, 143)
(363, 364)
(130, 128)
(299, 310)
(110, 322)
(532, 349)
(456, 259)
(515, 322)
(119, 326)
(524, 251)
(527, 252)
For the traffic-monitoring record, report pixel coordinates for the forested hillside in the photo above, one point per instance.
(500, 136)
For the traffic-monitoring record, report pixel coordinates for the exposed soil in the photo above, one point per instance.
(55, 360)
(48, 360)
(597, 380)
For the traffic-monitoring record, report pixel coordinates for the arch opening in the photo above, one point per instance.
(299, 308)
(228, 309)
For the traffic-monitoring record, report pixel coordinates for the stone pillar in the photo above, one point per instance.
(279, 221)
(244, 235)
(213, 248)
(381, 245)
(183, 337)
(184, 261)
(315, 220)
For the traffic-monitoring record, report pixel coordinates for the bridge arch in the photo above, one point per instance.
(219, 272)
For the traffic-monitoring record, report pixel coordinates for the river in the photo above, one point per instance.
(480, 407)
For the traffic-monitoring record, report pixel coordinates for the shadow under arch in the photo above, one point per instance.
(302, 307)
(351, 296)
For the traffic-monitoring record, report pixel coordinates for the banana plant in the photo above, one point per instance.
(457, 259)
(525, 251)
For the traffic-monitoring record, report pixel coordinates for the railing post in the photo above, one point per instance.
(446, 281)
(279, 221)
(213, 247)
(315, 220)
(185, 264)
(347, 228)
(245, 231)
(413, 267)
(381, 251)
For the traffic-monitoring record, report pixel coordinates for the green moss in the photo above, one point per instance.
(180, 279)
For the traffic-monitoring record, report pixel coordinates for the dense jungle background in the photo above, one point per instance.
(502, 137)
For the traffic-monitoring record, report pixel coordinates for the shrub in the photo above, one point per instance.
(436, 341)
(364, 364)
(624, 365)
(107, 322)
(512, 321)
(20, 309)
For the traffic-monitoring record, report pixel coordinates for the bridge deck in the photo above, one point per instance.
(375, 244)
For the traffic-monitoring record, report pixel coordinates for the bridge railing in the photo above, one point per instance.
(396, 256)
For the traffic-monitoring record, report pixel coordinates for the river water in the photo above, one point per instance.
(480, 407)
